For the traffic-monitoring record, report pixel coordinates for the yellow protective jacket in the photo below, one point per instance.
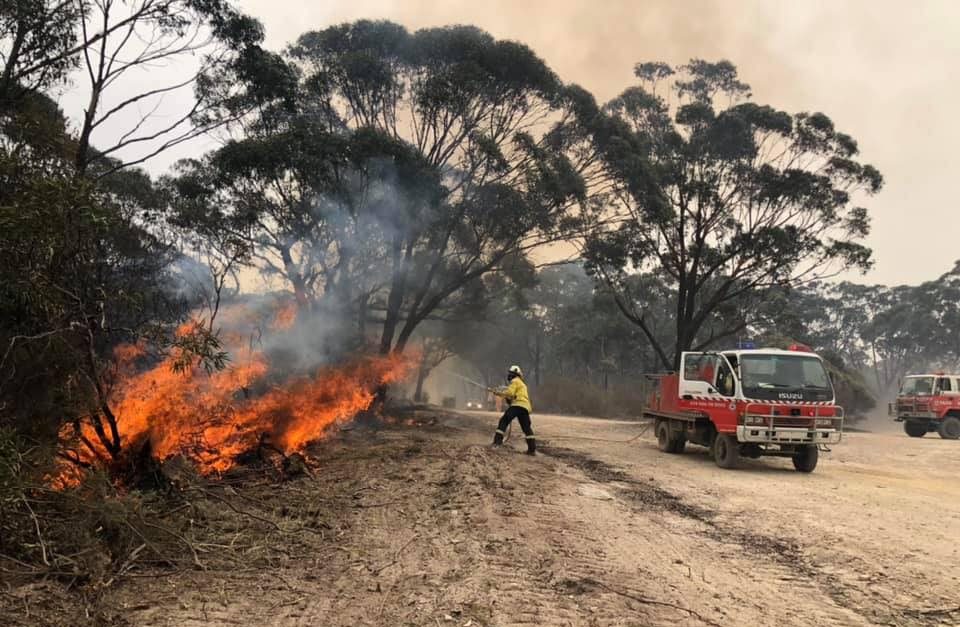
(516, 394)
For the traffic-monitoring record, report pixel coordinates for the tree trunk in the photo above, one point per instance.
(362, 305)
(299, 285)
(422, 375)
(395, 299)
(876, 369)
(537, 351)
(6, 82)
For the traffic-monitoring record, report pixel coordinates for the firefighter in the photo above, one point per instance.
(519, 399)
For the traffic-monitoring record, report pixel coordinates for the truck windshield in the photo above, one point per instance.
(917, 386)
(795, 372)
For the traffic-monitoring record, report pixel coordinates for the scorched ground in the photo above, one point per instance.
(425, 525)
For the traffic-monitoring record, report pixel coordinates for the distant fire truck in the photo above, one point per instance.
(751, 403)
(929, 402)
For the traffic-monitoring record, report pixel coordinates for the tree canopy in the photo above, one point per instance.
(384, 171)
(722, 198)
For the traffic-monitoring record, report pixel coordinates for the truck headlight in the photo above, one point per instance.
(824, 422)
(754, 420)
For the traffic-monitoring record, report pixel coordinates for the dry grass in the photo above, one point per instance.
(560, 395)
(61, 551)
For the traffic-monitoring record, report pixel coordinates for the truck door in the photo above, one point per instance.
(698, 372)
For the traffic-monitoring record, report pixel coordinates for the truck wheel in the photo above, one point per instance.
(679, 444)
(950, 428)
(915, 429)
(663, 436)
(669, 441)
(726, 450)
(806, 457)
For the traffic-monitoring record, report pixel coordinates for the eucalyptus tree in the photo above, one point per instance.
(392, 169)
(723, 197)
(478, 111)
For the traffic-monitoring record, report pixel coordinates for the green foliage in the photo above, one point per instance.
(85, 255)
(78, 273)
(724, 200)
(376, 169)
(36, 40)
(198, 347)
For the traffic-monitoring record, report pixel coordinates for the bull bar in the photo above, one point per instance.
(906, 410)
(769, 432)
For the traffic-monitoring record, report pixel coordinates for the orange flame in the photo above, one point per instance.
(286, 316)
(213, 418)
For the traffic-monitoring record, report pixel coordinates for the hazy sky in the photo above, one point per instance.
(886, 72)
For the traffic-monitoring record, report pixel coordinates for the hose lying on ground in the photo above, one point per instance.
(542, 437)
(646, 428)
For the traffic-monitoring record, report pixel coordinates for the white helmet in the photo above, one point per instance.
(515, 370)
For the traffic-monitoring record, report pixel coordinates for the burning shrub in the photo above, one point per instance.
(168, 409)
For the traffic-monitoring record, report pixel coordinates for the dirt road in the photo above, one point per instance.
(429, 526)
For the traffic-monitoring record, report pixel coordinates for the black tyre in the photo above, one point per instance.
(679, 444)
(806, 457)
(726, 450)
(663, 436)
(950, 428)
(915, 429)
(668, 440)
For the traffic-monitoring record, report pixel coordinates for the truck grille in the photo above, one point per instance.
(788, 421)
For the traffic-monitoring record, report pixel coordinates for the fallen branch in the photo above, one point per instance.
(187, 543)
(396, 556)
(36, 524)
(237, 509)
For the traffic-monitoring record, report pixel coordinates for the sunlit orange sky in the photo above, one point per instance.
(887, 72)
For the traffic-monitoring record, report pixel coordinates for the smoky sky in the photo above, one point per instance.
(887, 73)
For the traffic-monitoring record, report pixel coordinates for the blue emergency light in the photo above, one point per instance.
(746, 345)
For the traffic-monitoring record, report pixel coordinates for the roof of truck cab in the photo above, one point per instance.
(769, 351)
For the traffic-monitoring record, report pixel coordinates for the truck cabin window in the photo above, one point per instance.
(785, 376)
(917, 386)
(700, 368)
(725, 383)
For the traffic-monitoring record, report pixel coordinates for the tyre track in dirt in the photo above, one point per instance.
(646, 496)
(430, 526)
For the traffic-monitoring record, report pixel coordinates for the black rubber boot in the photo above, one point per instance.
(531, 446)
(497, 439)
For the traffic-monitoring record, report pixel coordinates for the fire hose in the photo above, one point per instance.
(506, 437)
(486, 388)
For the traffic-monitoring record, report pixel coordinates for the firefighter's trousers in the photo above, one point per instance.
(523, 417)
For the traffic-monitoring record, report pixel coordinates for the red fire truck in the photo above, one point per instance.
(750, 402)
(929, 402)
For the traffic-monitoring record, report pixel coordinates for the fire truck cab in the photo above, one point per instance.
(929, 402)
(751, 402)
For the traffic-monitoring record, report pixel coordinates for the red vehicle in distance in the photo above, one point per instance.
(747, 403)
(929, 402)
